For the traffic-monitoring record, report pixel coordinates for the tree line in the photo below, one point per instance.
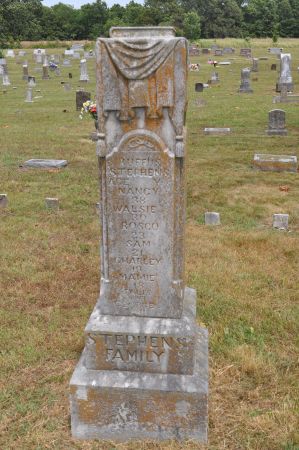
(31, 20)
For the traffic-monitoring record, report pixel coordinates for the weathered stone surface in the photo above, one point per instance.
(255, 65)
(281, 221)
(46, 163)
(245, 52)
(45, 72)
(284, 97)
(206, 51)
(81, 97)
(83, 71)
(31, 82)
(245, 82)
(285, 72)
(29, 98)
(275, 163)
(144, 353)
(277, 123)
(217, 131)
(212, 218)
(25, 72)
(52, 203)
(156, 345)
(193, 50)
(199, 87)
(214, 78)
(3, 200)
(218, 52)
(224, 63)
(275, 50)
(228, 50)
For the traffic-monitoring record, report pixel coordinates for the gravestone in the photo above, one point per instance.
(193, 50)
(245, 52)
(277, 123)
(29, 98)
(275, 50)
(217, 131)
(39, 58)
(31, 81)
(285, 72)
(212, 218)
(22, 53)
(69, 53)
(143, 372)
(67, 86)
(281, 221)
(218, 52)
(228, 50)
(39, 51)
(206, 51)
(66, 62)
(284, 97)
(214, 78)
(52, 203)
(45, 60)
(46, 163)
(273, 67)
(5, 79)
(10, 53)
(81, 97)
(46, 72)
(83, 71)
(76, 55)
(198, 87)
(245, 82)
(25, 72)
(3, 200)
(275, 163)
(255, 65)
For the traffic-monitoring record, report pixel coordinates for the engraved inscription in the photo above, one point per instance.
(140, 177)
(143, 349)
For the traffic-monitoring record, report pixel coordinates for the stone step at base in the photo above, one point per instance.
(122, 405)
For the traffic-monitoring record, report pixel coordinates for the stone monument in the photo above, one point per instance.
(46, 72)
(255, 65)
(277, 123)
(245, 82)
(143, 373)
(83, 71)
(285, 72)
(81, 97)
(25, 72)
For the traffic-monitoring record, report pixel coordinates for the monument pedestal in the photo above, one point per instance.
(159, 401)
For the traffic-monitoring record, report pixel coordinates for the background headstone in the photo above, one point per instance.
(3, 200)
(212, 218)
(275, 163)
(245, 87)
(277, 125)
(281, 221)
(81, 97)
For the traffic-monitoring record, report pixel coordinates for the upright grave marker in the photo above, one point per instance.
(245, 87)
(143, 373)
(285, 72)
(277, 123)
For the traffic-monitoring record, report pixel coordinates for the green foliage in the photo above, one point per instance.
(31, 20)
(191, 25)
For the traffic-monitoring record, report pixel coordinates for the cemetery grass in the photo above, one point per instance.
(245, 273)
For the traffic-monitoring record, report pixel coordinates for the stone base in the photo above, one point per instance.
(245, 91)
(122, 406)
(290, 87)
(142, 378)
(277, 132)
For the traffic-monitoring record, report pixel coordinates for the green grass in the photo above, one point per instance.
(245, 273)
